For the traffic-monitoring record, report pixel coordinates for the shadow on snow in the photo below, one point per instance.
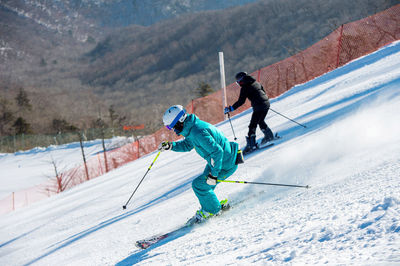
(70, 240)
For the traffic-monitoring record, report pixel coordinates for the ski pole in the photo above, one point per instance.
(124, 207)
(229, 117)
(259, 183)
(287, 118)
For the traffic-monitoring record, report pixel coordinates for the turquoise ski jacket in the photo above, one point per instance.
(209, 142)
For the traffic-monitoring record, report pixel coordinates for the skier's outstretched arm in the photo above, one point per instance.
(182, 146)
(241, 100)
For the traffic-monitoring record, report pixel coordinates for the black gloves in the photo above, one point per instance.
(164, 146)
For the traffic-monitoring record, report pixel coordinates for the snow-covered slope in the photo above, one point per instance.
(25, 169)
(349, 154)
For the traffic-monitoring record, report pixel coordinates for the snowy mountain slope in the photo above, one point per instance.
(349, 154)
(25, 169)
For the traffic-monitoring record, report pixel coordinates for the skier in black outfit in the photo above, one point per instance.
(254, 91)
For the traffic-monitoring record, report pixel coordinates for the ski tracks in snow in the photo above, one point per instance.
(301, 227)
(366, 218)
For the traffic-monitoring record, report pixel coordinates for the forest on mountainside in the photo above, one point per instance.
(152, 68)
(137, 72)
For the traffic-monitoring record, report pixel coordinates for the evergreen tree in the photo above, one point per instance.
(113, 115)
(61, 125)
(43, 62)
(23, 101)
(22, 127)
(6, 116)
(98, 123)
(204, 89)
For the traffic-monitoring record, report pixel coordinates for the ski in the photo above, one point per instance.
(264, 146)
(148, 242)
(269, 143)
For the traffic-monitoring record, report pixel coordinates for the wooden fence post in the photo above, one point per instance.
(339, 46)
(138, 146)
(83, 155)
(104, 149)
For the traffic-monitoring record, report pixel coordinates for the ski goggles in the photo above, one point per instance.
(239, 80)
(173, 123)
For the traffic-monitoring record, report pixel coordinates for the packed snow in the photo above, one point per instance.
(348, 153)
(25, 169)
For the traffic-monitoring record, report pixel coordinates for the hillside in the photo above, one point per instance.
(40, 47)
(147, 70)
(75, 68)
(348, 154)
(119, 13)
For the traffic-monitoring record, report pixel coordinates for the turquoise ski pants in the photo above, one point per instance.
(205, 193)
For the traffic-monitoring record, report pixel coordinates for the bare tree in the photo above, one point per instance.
(61, 180)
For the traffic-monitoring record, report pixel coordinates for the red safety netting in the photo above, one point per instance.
(346, 43)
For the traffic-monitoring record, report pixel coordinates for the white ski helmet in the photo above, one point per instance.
(173, 115)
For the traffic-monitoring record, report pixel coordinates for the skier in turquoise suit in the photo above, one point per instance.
(210, 143)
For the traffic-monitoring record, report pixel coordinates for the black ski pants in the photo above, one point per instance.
(257, 118)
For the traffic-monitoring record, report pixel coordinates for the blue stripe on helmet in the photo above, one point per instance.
(173, 123)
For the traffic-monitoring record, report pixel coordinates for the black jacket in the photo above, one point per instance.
(254, 91)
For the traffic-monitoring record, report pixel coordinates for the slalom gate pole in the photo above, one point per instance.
(124, 207)
(229, 117)
(259, 183)
(287, 118)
